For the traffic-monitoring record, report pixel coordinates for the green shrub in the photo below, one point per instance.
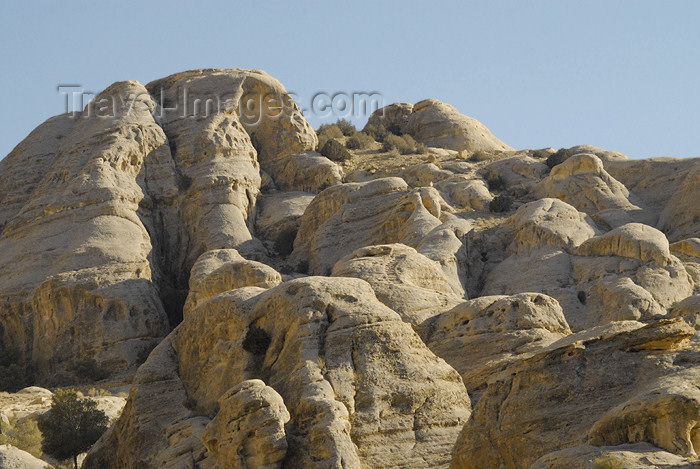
(539, 154)
(559, 157)
(25, 436)
(335, 151)
(479, 156)
(394, 129)
(87, 369)
(502, 203)
(346, 127)
(377, 132)
(421, 149)
(72, 425)
(12, 370)
(359, 141)
(494, 180)
(403, 143)
(327, 132)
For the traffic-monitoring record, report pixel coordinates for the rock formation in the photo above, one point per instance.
(466, 305)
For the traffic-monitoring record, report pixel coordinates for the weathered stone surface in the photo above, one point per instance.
(404, 280)
(424, 175)
(638, 455)
(308, 172)
(75, 274)
(519, 173)
(438, 124)
(547, 402)
(350, 216)
(466, 192)
(481, 336)
(582, 181)
(279, 216)
(222, 270)
(360, 386)
(633, 240)
(248, 431)
(680, 218)
(15, 458)
(158, 427)
(550, 222)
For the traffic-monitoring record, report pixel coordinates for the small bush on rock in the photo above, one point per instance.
(87, 369)
(502, 203)
(327, 132)
(494, 180)
(25, 436)
(405, 144)
(377, 132)
(346, 127)
(559, 157)
(359, 141)
(335, 151)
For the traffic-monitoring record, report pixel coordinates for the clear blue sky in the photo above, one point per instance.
(622, 75)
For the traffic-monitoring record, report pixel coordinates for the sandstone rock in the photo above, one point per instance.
(481, 336)
(279, 217)
(638, 455)
(404, 280)
(466, 192)
(688, 309)
(634, 240)
(222, 270)
(308, 172)
(438, 124)
(546, 402)
(519, 173)
(350, 216)
(424, 175)
(77, 254)
(15, 458)
(680, 219)
(157, 427)
(550, 222)
(688, 251)
(248, 431)
(582, 181)
(393, 116)
(22, 170)
(361, 388)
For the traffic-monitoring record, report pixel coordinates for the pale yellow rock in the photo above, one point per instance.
(404, 280)
(326, 346)
(279, 215)
(221, 270)
(77, 254)
(679, 220)
(519, 173)
(582, 181)
(248, 431)
(550, 222)
(438, 124)
(638, 455)
(466, 192)
(633, 240)
(24, 167)
(424, 175)
(308, 172)
(158, 427)
(15, 458)
(350, 216)
(483, 335)
(549, 401)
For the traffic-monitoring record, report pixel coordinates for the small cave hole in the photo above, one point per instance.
(256, 341)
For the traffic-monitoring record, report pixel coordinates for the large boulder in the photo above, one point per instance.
(361, 388)
(438, 124)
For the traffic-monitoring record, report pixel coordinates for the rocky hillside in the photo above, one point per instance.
(430, 297)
